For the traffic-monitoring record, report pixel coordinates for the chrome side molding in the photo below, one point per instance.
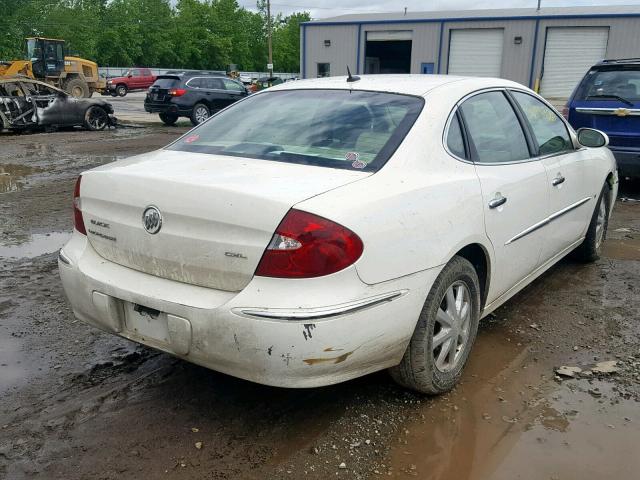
(63, 258)
(547, 220)
(306, 314)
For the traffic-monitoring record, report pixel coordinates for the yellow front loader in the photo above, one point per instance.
(46, 61)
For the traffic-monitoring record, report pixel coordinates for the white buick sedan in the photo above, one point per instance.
(321, 230)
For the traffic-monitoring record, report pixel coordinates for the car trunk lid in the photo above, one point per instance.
(218, 212)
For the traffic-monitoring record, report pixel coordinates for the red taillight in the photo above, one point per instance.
(306, 245)
(78, 222)
(177, 92)
(565, 112)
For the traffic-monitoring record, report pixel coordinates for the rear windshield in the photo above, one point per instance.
(327, 128)
(623, 83)
(167, 82)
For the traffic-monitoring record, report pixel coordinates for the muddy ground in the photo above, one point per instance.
(76, 403)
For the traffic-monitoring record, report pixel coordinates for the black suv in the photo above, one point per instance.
(193, 95)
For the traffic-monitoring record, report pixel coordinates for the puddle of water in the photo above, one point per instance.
(512, 422)
(11, 366)
(38, 244)
(12, 176)
(628, 249)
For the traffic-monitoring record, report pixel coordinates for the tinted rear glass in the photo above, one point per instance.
(620, 82)
(167, 82)
(328, 128)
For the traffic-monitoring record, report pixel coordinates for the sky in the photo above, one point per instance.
(331, 8)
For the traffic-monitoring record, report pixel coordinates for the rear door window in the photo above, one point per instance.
(213, 83)
(550, 132)
(197, 83)
(494, 129)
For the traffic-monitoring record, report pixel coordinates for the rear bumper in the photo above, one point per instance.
(286, 333)
(628, 161)
(170, 108)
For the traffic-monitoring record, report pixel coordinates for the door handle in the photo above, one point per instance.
(497, 201)
(558, 180)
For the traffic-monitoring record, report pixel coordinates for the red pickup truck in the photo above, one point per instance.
(134, 79)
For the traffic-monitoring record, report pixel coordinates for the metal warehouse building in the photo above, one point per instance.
(548, 49)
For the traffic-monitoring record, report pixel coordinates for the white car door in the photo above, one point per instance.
(570, 202)
(514, 188)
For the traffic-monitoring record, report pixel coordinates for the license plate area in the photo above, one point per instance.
(146, 322)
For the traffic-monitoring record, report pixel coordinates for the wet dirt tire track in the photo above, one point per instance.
(76, 403)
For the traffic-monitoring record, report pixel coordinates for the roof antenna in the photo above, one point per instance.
(351, 78)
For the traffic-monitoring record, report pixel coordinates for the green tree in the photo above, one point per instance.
(286, 42)
(200, 34)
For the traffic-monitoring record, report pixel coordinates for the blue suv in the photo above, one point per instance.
(608, 98)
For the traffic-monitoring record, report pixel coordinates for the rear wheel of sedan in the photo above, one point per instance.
(200, 113)
(168, 119)
(96, 118)
(445, 332)
(591, 247)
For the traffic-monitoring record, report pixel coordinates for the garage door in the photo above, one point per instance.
(476, 52)
(568, 54)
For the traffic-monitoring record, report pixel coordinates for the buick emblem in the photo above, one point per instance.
(152, 219)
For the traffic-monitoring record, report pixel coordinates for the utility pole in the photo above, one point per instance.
(270, 65)
(539, 2)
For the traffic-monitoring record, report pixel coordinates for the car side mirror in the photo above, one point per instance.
(590, 137)
(129, 76)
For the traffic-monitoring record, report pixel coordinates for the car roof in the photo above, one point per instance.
(11, 79)
(613, 61)
(408, 84)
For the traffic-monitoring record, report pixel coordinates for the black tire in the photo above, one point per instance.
(77, 88)
(591, 247)
(168, 119)
(96, 118)
(121, 90)
(200, 113)
(418, 369)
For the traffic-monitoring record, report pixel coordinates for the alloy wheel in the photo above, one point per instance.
(451, 328)
(201, 114)
(97, 118)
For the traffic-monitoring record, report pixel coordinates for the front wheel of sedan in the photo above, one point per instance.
(445, 332)
(200, 113)
(591, 247)
(96, 118)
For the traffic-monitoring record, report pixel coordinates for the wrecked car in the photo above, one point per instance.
(28, 104)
